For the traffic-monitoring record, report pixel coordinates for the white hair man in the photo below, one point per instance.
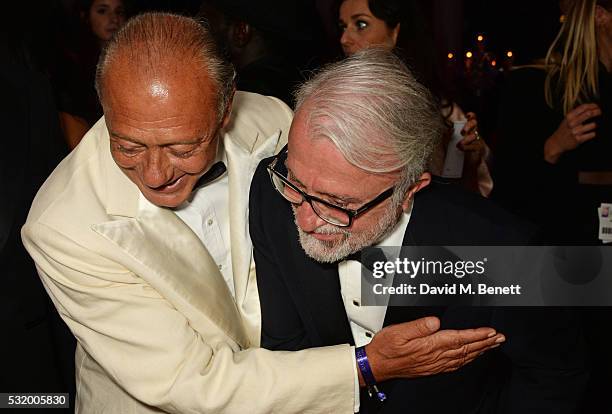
(354, 175)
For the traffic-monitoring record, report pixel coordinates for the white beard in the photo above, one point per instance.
(335, 251)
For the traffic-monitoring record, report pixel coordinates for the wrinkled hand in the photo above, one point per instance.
(472, 141)
(418, 348)
(573, 131)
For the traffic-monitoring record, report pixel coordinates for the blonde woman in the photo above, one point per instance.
(554, 162)
(580, 55)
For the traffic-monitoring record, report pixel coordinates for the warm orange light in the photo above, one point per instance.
(469, 55)
(509, 54)
(562, 18)
(480, 38)
(450, 56)
(493, 63)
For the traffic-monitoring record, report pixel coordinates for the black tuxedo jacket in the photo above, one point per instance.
(539, 369)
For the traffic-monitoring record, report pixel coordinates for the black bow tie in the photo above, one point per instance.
(214, 172)
(368, 256)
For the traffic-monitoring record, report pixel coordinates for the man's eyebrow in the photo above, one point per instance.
(124, 137)
(188, 141)
(293, 177)
(344, 199)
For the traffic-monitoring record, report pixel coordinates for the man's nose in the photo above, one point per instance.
(157, 170)
(307, 219)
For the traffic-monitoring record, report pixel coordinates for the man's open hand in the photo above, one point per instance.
(418, 349)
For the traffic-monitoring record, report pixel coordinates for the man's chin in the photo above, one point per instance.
(171, 200)
(325, 251)
(170, 196)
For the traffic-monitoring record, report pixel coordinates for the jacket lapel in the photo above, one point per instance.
(320, 286)
(242, 163)
(427, 226)
(170, 257)
(314, 286)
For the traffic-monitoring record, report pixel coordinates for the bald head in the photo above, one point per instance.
(166, 97)
(157, 49)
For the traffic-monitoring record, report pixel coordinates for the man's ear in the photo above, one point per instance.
(421, 183)
(241, 33)
(227, 115)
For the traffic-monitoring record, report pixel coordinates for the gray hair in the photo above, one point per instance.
(153, 41)
(376, 113)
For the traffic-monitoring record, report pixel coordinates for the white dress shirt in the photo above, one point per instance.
(365, 321)
(206, 213)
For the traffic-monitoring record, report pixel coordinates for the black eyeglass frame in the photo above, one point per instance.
(352, 214)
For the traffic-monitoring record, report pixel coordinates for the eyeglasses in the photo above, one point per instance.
(336, 215)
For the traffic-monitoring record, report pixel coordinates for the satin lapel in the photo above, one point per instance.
(171, 258)
(242, 163)
(427, 226)
(318, 285)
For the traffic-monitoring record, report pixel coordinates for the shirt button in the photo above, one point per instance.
(356, 302)
(220, 267)
(369, 334)
(210, 222)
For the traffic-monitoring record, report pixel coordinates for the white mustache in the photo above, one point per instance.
(330, 229)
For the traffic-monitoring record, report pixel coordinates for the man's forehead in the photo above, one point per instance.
(161, 110)
(158, 88)
(158, 79)
(365, 146)
(317, 163)
(154, 96)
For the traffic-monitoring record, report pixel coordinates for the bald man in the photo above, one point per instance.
(140, 237)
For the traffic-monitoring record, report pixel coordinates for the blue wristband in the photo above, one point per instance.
(366, 373)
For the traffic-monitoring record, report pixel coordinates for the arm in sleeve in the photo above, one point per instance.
(150, 350)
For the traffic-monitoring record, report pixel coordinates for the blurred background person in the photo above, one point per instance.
(269, 45)
(400, 25)
(74, 76)
(553, 162)
(553, 165)
(36, 350)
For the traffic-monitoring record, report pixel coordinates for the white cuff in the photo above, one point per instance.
(356, 398)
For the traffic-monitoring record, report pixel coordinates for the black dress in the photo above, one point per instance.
(547, 194)
(74, 84)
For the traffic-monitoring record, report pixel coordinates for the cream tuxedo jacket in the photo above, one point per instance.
(157, 328)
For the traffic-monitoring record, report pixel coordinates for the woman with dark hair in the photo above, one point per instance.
(77, 99)
(561, 135)
(400, 26)
(103, 17)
